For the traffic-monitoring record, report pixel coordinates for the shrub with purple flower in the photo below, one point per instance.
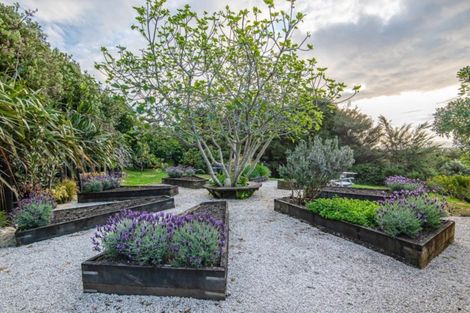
(197, 241)
(193, 240)
(180, 171)
(35, 211)
(97, 183)
(396, 183)
(409, 212)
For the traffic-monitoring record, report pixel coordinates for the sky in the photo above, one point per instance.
(404, 53)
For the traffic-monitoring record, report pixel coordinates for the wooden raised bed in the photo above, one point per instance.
(260, 179)
(126, 193)
(68, 221)
(105, 276)
(233, 192)
(354, 193)
(193, 182)
(417, 253)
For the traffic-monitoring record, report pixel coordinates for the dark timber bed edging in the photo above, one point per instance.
(412, 252)
(128, 192)
(242, 192)
(193, 182)
(129, 279)
(59, 229)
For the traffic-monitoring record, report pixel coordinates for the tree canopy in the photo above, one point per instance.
(229, 82)
(454, 118)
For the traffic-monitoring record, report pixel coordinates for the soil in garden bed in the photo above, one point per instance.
(134, 188)
(70, 214)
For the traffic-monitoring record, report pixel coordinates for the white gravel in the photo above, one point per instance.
(277, 264)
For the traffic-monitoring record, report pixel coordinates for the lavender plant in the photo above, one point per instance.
(396, 183)
(197, 242)
(409, 212)
(180, 171)
(193, 240)
(97, 183)
(35, 211)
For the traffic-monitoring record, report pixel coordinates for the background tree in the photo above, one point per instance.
(454, 119)
(55, 117)
(231, 82)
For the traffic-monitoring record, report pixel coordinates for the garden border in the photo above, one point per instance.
(59, 229)
(184, 182)
(417, 253)
(233, 192)
(130, 279)
(127, 193)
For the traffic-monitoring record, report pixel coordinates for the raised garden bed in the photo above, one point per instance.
(128, 192)
(193, 182)
(260, 179)
(417, 252)
(67, 221)
(233, 192)
(108, 276)
(354, 193)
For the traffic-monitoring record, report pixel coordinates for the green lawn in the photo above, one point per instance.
(147, 177)
(368, 186)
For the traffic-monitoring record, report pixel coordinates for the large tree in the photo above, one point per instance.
(229, 81)
(454, 118)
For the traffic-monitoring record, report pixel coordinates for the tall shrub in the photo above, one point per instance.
(313, 164)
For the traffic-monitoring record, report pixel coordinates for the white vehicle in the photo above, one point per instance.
(345, 180)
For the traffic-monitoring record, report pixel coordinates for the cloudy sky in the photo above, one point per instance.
(404, 53)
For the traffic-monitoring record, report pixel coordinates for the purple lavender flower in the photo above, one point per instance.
(156, 238)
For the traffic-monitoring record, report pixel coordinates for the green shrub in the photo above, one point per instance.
(456, 186)
(369, 173)
(192, 157)
(33, 212)
(3, 219)
(313, 164)
(454, 167)
(195, 244)
(107, 184)
(360, 212)
(92, 185)
(407, 213)
(260, 170)
(243, 181)
(398, 221)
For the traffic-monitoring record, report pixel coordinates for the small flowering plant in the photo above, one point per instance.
(99, 182)
(180, 171)
(410, 212)
(396, 183)
(34, 211)
(192, 240)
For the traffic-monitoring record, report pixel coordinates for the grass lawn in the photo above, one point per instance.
(457, 207)
(147, 177)
(368, 186)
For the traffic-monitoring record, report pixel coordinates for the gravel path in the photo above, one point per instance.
(277, 264)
